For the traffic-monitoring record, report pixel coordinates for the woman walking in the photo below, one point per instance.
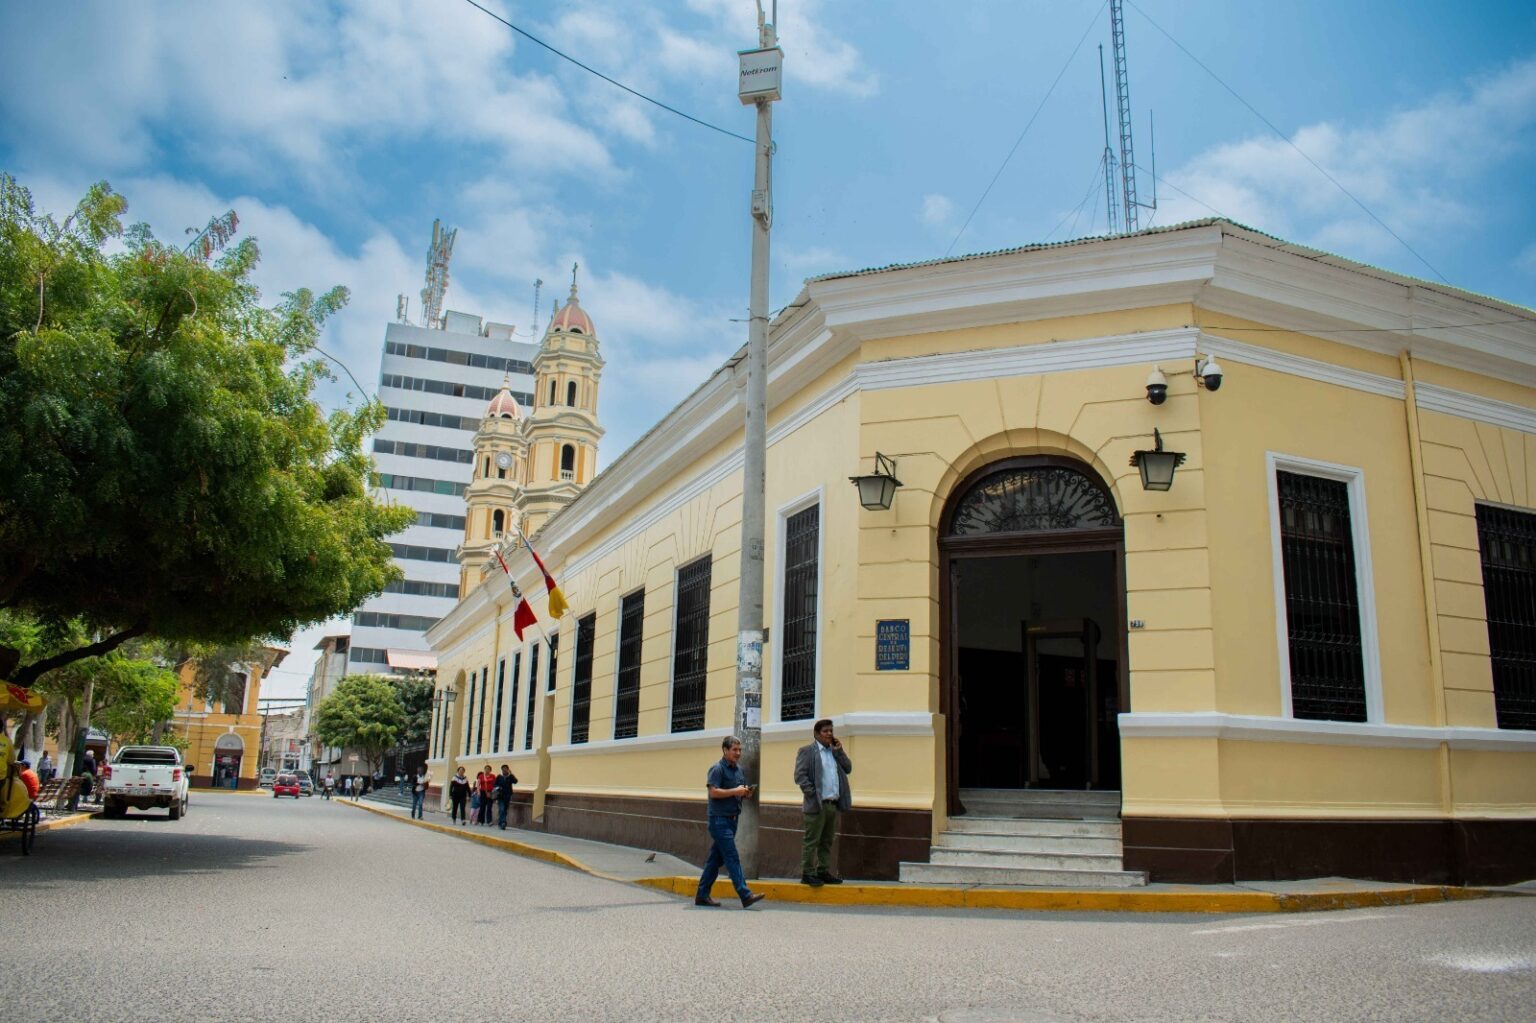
(487, 781)
(458, 796)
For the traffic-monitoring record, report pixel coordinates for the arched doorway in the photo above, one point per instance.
(228, 750)
(1032, 557)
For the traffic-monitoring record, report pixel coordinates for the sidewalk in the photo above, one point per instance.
(669, 874)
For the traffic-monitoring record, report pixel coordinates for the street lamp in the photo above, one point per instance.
(877, 489)
(1157, 465)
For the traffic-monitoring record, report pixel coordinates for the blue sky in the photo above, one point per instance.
(338, 131)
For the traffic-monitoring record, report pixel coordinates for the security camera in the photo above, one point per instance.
(1208, 372)
(1157, 386)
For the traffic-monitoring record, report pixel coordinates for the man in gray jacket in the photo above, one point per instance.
(821, 771)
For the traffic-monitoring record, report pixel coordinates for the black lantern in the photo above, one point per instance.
(877, 489)
(1157, 465)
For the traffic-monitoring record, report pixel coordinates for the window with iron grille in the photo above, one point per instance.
(1508, 541)
(690, 646)
(554, 663)
(517, 674)
(533, 692)
(485, 686)
(797, 680)
(581, 683)
(626, 712)
(1322, 603)
(501, 681)
(469, 716)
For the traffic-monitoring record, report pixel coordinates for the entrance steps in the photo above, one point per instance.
(1034, 837)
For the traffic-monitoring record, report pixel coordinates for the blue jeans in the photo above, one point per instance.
(722, 830)
(417, 799)
(501, 812)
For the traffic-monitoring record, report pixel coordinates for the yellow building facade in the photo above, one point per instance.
(1281, 666)
(224, 738)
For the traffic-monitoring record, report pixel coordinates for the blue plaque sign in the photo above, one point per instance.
(893, 644)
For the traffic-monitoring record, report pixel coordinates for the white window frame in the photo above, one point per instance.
(618, 645)
(1353, 478)
(677, 574)
(776, 644)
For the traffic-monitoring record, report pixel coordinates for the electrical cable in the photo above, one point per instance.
(565, 56)
(1093, 185)
(1315, 165)
(320, 351)
(1027, 126)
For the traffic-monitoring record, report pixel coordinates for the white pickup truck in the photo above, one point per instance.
(144, 777)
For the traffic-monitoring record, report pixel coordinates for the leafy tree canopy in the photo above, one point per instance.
(364, 713)
(163, 467)
(415, 692)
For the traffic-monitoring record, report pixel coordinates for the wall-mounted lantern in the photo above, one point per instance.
(1157, 465)
(877, 489)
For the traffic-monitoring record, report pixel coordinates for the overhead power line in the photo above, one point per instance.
(611, 81)
(1286, 139)
(1043, 100)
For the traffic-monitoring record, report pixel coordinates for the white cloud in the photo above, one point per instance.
(937, 209)
(812, 54)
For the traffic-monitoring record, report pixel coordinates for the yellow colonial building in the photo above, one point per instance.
(224, 737)
(1312, 651)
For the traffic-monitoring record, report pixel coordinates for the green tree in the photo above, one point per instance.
(415, 693)
(362, 713)
(164, 469)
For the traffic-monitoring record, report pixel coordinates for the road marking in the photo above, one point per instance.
(1484, 963)
(1301, 921)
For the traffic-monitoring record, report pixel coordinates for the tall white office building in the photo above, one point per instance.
(436, 383)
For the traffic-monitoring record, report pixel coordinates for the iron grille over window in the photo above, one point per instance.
(501, 683)
(581, 684)
(517, 674)
(485, 685)
(802, 534)
(469, 716)
(626, 715)
(554, 662)
(1025, 500)
(1322, 606)
(533, 692)
(690, 642)
(1508, 541)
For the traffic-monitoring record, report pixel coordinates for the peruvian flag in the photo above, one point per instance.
(523, 616)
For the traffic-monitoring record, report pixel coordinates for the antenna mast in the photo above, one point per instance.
(1123, 104)
(438, 255)
(1110, 202)
(538, 285)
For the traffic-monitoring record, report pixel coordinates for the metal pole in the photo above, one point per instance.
(749, 638)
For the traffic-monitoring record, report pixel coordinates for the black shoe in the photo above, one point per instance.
(748, 901)
(706, 901)
(826, 877)
(811, 879)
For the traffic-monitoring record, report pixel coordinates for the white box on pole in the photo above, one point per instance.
(762, 72)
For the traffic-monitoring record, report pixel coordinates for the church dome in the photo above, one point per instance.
(504, 406)
(572, 317)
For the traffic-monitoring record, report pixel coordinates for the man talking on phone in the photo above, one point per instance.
(821, 771)
(726, 785)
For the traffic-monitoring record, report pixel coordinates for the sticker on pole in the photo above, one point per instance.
(749, 652)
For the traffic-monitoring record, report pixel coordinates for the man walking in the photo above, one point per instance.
(504, 782)
(419, 792)
(44, 767)
(328, 787)
(726, 784)
(821, 771)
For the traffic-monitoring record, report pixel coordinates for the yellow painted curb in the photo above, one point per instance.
(50, 825)
(1070, 900)
(230, 792)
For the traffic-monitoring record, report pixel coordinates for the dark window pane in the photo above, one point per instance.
(533, 692)
(1508, 541)
(581, 683)
(801, 540)
(690, 647)
(517, 674)
(626, 718)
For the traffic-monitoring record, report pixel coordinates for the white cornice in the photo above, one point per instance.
(1249, 728)
(1297, 365)
(1475, 407)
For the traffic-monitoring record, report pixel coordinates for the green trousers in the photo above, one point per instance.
(820, 829)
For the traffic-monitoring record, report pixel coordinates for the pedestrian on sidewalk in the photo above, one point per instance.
(504, 782)
(419, 791)
(458, 796)
(821, 771)
(726, 784)
(400, 782)
(44, 767)
(487, 782)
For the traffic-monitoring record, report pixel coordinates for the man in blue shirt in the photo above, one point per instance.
(726, 784)
(821, 771)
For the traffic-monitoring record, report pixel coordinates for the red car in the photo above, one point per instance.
(285, 785)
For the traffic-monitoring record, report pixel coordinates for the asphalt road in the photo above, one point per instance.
(255, 909)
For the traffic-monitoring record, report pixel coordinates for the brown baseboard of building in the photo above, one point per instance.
(871, 842)
(1223, 851)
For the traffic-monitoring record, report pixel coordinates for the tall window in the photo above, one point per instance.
(533, 692)
(498, 522)
(567, 461)
(501, 681)
(570, 394)
(581, 683)
(626, 713)
(690, 646)
(802, 541)
(551, 392)
(1322, 604)
(517, 674)
(469, 716)
(485, 685)
(554, 662)
(1508, 541)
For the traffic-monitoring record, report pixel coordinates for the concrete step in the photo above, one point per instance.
(976, 824)
(1111, 862)
(1108, 845)
(940, 873)
(1042, 803)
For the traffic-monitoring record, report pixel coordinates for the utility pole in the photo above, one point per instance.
(761, 71)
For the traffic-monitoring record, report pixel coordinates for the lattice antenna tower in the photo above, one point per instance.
(1111, 205)
(438, 255)
(1123, 105)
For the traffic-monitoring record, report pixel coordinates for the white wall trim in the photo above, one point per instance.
(1365, 580)
(1252, 728)
(776, 634)
(670, 740)
(857, 723)
(1475, 407)
(1297, 365)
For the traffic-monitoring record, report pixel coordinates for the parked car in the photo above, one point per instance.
(285, 785)
(268, 774)
(306, 785)
(142, 777)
